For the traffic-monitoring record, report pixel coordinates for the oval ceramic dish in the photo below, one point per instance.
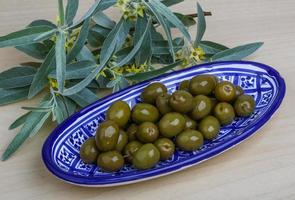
(60, 152)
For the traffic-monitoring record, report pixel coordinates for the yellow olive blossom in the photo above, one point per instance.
(185, 62)
(197, 54)
(139, 9)
(53, 83)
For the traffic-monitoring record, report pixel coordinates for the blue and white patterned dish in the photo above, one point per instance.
(60, 152)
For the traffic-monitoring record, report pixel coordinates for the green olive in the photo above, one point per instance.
(181, 101)
(166, 148)
(110, 161)
(151, 92)
(162, 103)
(189, 140)
(89, 151)
(202, 84)
(147, 132)
(209, 127)
(130, 150)
(239, 91)
(184, 85)
(189, 123)
(131, 132)
(224, 112)
(122, 141)
(202, 107)
(107, 135)
(146, 157)
(119, 112)
(225, 91)
(143, 112)
(171, 124)
(244, 105)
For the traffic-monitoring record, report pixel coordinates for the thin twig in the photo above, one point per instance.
(196, 15)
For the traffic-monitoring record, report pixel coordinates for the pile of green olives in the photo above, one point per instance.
(161, 123)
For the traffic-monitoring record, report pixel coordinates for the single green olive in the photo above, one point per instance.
(244, 105)
(202, 84)
(162, 103)
(184, 85)
(131, 132)
(143, 112)
(110, 161)
(166, 148)
(119, 112)
(89, 151)
(130, 150)
(189, 123)
(171, 124)
(239, 91)
(151, 92)
(202, 107)
(181, 101)
(225, 91)
(147, 132)
(209, 127)
(189, 140)
(224, 112)
(107, 135)
(122, 141)
(146, 157)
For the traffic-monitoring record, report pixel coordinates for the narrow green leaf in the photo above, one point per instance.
(31, 64)
(84, 97)
(120, 84)
(80, 42)
(61, 12)
(155, 35)
(101, 30)
(237, 53)
(71, 10)
(17, 77)
(59, 112)
(186, 20)
(201, 25)
(60, 58)
(160, 47)
(37, 109)
(151, 74)
(42, 22)
(85, 54)
(71, 106)
(211, 47)
(22, 37)
(40, 79)
(171, 2)
(103, 20)
(8, 96)
(45, 35)
(19, 121)
(35, 50)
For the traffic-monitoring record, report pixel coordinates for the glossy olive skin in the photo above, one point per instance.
(189, 140)
(225, 91)
(151, 92)
(110, 161)
(202, 107)
(171, 124)
(122, 141)
(147, 132)
(184, 85)
(224, 112)
(119, 112)
(239, 91)
(202, 84)
(209, 127)
(189, 123)
(131, 132)
(130, 150)
(244, 105)
(89, 151)
(181, 101)
(166, 148)
(107, 135)
(143, 112)
(146, 157)
(162, 103)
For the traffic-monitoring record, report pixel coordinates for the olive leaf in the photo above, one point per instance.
(8, 96)
(171, 2)
(160, 47)
(61, 12)
(36, 50)
(42, 22)
(210, 47)
(103, 20)
(201, 25)
(84, 97)
(19, 121)
(71, 10)
(185, 19)
(85, 54)
(120, 84)
(60, 59)
(38, 109)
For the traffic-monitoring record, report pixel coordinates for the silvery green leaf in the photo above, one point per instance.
(237, 53)
(45, 35)
(40, 79)
(36, 50)
(211, 47)
(85, 54)
(186, 20)
(22, 37)
(71, 10)
(160, 47)
(42, 22)
(59, 111)
(8, 96)
(94, 40)
(156, 35)
(31, 64)
(17, 77)
(71, 106)
(171, 2)
(80, 42)
(201, 28)
(60, 59)
(102, 81)
(38, 109)
(84, 97)
(120, 84)
(101, 30)
(151, 74)
(61, 12)
(103, 20)
(19, 121)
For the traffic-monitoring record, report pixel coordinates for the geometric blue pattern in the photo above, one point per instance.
(61, 150)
